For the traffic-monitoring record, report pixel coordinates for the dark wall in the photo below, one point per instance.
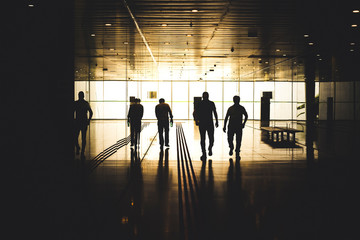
(40, 78)
(37, 84)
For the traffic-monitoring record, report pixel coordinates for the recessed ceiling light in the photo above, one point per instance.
(107, 24)
(111, 49)
(189, 35)
(194, 10)
(284, 55)
(354, 25)
(306, 35)
(278, 50)
(356, 11)
(125, 42)
(311, 43)
(31, 5)
(93, 34)
(166, 43)
(164, 25)
(351, 50)
(352, 44)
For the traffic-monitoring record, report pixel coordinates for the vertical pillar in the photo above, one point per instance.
(310, 104)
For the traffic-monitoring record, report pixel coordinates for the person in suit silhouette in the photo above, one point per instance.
(236, 124)
(163, 112)
(204, 118)
(81, 109)
(135, 114)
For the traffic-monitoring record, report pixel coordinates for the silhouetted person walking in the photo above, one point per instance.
(236, 124)
(81, 109)
(135, 115)
(204, 116)
(163, 112)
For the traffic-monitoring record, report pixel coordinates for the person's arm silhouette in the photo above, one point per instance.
(216, 117)
(171, 116)
(129, 115)
(246, 118)
(225, 121)
(141, 113)
(90, 114)
(157, 114)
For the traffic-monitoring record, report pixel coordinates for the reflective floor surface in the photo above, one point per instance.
(149, 193)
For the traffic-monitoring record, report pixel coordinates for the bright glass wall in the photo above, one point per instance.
(110, 99)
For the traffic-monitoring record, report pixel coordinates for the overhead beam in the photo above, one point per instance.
(140, 32)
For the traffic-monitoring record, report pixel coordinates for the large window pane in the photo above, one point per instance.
(249, 109)
(280, 111)
(180, 91)
(165, 91)
(109, 110)
(149, 109)
(299, 91)
(97, 91)
(180, 110)
(114, 91)
(98, 110)
(256, 110)
(215, 91)
(133, 89)
(282, 92)
(114, 110)
(246, 91)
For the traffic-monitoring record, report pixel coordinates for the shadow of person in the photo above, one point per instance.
(207, 203)
(238, 221)
(162, 185)
(82, 158)
(163, 171)
(135, 156)
(136, 198)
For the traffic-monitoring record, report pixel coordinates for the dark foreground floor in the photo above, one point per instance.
(270, 193)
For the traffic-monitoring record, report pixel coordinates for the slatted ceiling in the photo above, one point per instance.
(218, 26)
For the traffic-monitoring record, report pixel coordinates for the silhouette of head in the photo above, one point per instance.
(161, 100)
(137, 100)
(236, 99)
(205, 96)
(81, 95)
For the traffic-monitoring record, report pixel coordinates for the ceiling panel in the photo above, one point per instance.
(192, 34)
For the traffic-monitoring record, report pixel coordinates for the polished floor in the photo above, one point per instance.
(270, 193)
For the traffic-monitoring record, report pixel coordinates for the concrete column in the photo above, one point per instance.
(310, 67)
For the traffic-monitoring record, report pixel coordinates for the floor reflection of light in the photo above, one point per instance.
(124, 220)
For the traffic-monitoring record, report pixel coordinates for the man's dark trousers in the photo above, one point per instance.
(231, 133)
(163, 126)
(135, 128)
(209, 128)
